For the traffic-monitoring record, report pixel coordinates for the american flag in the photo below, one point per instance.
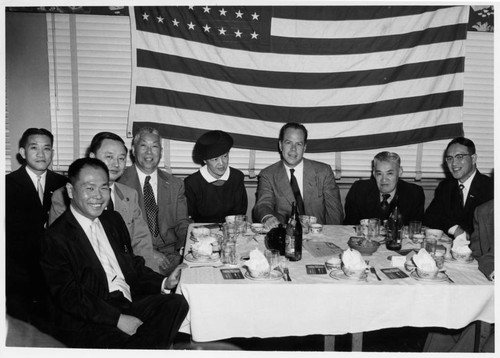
(358, 77)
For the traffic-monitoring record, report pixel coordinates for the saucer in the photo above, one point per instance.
(440, 277)
(468, 261)
(340, 275)
(189, 257)
(273, 276)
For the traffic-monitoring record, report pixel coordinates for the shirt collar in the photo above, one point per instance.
(82, 220)
(299, 168)
(209, 178)
(142, 176)
(469, 180)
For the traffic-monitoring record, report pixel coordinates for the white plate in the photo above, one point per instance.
(274, 276)
(189, 257)
(439, 278)
(340, 275)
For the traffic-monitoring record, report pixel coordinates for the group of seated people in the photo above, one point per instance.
(98, 252)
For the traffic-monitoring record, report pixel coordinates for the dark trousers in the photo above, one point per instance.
(162, 316)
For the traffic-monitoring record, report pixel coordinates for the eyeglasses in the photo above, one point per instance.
(458, 157)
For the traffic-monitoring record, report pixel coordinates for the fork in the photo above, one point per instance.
(287, 274)
(372, 270)
(447, 277)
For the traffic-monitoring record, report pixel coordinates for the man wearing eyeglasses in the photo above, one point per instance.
(456, 198)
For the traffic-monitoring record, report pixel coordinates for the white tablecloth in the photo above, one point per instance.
(318, 304)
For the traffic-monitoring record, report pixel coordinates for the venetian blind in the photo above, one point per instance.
(90, 71)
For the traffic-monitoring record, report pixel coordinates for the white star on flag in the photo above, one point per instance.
(145, 16)
(160, 20)
(239, 14)
(255, 16)
(191, 26)
(238, 33)
(175, 22)
(206, 28)
(254, 35)
(206, 9)
(222, 12)
(222, 31)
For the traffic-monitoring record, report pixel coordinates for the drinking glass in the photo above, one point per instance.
(304, 220)
(415, 228)
(373, 229)
(430, 245)
(228, 253)
(273, 257)
(240, 222)
(229, 231)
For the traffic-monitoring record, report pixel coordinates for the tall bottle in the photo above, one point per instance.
(393, 230)
(293, 239)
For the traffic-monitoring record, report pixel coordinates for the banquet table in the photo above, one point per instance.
(319, 304)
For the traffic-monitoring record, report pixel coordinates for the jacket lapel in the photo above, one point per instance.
(283, 182)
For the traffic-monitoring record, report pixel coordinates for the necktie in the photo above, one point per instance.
(384, 206)
(296, 193)
(461, 194)
(108, 263)
(110, 206)
(151, 207)
(39, 188)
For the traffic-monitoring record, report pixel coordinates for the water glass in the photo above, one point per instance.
(430, 245)
(415, 228)
(240, 222)
(230, 231)
(228, 253)
(304, 220)
(373, 230)
(273, 257)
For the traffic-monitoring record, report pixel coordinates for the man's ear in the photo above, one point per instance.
(69, 189)
(22, 152)
(400, 172)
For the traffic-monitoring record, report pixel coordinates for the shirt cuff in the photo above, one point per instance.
(264, 219)
(491, 277)
(164, 289)
(452, 230)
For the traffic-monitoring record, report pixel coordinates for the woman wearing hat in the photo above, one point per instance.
(216, 190)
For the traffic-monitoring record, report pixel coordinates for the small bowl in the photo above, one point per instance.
(258, 273)
(427, 274)
(461, 257)
(364, 246)
(333, 263)
(316, 228)
(258, 229)
(356, 274)
(433, 233)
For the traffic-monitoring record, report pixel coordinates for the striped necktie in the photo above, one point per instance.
(151, 207)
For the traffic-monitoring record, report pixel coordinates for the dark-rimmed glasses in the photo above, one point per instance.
(458, 157)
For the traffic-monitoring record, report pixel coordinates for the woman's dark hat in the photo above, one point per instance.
(212, 144)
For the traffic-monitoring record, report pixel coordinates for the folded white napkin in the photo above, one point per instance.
(424, 261)
(203, 247)
(200, 231)
(461, 244)
(257, 261)
(353, 260)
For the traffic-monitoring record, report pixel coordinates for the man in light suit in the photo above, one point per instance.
(165, 209)
(482, 241)
(26, 214)
(111, 150)
(315, 184)
(377, 196)
(103, 295)
(452, 209)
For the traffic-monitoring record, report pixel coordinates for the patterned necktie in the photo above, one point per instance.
(151, 207)
(461, 194)
(296, 193)
(39, 189)
(110, 206)
(384, 206)
(107, 264)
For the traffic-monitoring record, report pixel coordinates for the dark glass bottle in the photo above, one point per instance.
(293, 239)
(393, 230)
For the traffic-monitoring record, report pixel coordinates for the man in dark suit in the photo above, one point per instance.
(104, 296)
(365, 199)
(482, 241)
(308, 183)
(455, 199)
(161, 198)
(28, 192)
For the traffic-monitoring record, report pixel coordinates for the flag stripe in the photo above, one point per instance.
(262, 128)
(298, 80)
(357, 142)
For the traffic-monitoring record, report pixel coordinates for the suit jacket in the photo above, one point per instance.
(173, 219)
(25, 221)
(127, 204)
(445, 210)
(76, 279)
(482, 240)
(320, 193)
(363, 201)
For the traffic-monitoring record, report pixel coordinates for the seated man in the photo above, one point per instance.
(161, 197)
(111, 150)
(377, 196)
(104, 296)
(310, 184)
(28, 192)
(482, 241)
(455, 199)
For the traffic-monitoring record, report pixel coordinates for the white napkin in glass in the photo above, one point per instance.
(257, 261)
(353, 260)
(424, 261)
